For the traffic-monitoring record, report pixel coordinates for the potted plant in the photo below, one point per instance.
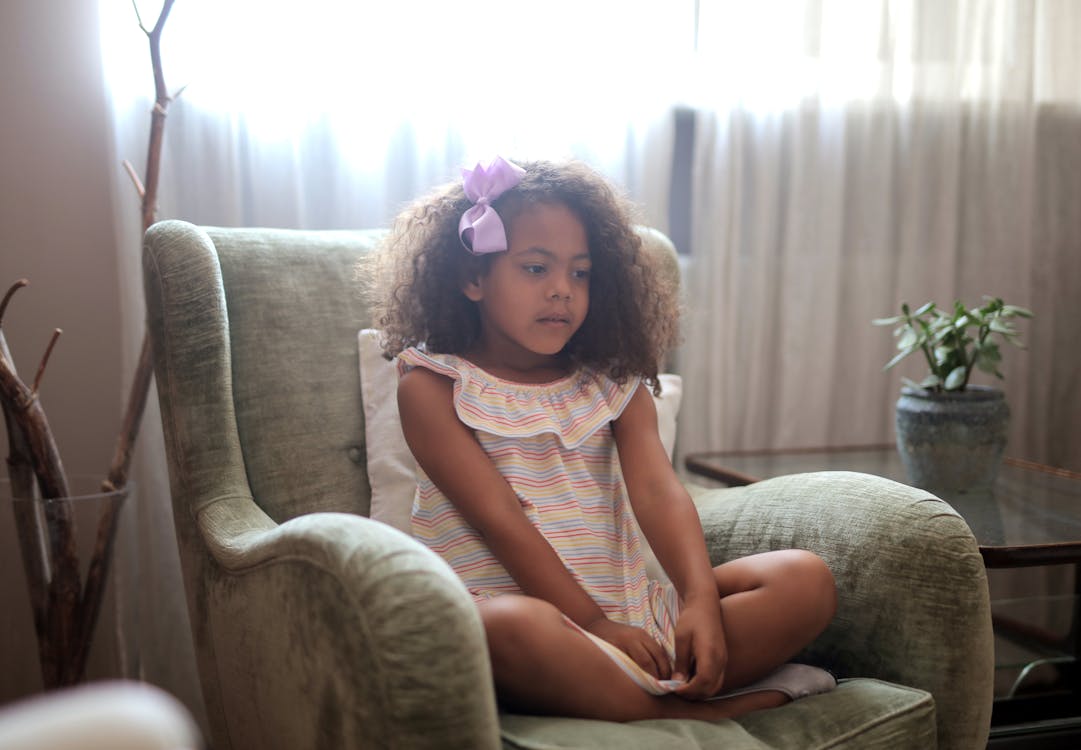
(951, 433)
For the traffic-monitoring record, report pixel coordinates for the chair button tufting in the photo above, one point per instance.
(356, 455)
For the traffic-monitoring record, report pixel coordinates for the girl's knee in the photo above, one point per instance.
(513, 622)
(810, 578)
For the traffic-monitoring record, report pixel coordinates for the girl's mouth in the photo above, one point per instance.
(555, 320)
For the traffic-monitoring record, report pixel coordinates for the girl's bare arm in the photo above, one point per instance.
(670, 523)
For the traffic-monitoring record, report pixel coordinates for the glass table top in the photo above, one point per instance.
(1031, 516)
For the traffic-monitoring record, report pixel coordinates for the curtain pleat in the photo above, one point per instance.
(954, 178)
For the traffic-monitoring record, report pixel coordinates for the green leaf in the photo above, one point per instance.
(925, 308)
(1014, 310)
(908, 340)
(887, 321)
(898, 358)
(955, 379)
(987, 357)
(940, 334)
(931, 381)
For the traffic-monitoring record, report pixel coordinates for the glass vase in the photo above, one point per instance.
(68, 573)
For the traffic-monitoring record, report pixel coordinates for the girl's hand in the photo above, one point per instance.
(636, 643)
(700, 645)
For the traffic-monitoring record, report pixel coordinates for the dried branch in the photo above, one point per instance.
(97, 576)
(140, 386)
(65, 586)
(101, 559)
(125, 444)
(29, 428)
(44, 362)
(31, 531)
(28, 416)
(157, 119)
(7, 298)
(134, 178)
(139, 17)
(28, 521)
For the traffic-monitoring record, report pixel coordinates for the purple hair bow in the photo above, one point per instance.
(480, 229)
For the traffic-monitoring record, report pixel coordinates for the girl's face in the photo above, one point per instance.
(535, 295)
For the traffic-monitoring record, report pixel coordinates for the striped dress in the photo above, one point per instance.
(553, 443)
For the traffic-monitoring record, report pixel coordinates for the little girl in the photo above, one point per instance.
(530, 326)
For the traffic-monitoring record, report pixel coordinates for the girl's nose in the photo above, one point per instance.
(561, 286)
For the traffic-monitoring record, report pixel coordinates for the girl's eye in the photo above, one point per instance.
(581, 273)
(533, 268)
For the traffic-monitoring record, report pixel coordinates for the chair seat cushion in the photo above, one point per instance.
(859, 713)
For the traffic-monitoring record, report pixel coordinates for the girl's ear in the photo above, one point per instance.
(473, 290)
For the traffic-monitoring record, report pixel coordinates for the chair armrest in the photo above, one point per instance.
(366, 634)
(913, 604)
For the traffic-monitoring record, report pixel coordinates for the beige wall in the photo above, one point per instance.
(56, 229)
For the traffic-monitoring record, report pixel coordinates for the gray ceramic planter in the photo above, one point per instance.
(953, 441)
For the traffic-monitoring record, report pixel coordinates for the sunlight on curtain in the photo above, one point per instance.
(854, 154)
(771, 54)
(333, 103)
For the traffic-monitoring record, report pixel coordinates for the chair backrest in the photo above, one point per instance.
(295, 307)
(267, 361)
(261, 325)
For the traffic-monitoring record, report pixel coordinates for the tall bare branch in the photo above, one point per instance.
(157, 119)
(140, 386)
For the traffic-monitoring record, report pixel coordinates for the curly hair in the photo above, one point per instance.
(422, 267)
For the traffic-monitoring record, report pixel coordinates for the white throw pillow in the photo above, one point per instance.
(668, 409)
(391, 467)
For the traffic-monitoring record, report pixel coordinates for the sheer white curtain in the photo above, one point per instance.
(854, 154)
(331, 113)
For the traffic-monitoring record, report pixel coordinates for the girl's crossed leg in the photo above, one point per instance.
(772, 605)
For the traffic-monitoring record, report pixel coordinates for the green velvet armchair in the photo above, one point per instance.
(315, 626)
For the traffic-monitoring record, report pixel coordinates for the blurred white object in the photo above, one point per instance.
(99, 716)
